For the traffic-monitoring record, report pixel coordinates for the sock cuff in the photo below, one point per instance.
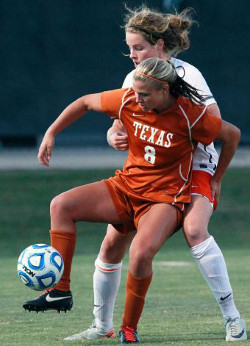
(199, 250)
(138, 286)
(132, 276)
(107, 267)
(62, 234)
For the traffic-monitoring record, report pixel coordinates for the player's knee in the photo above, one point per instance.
(114, 246)
(141, 257)
(111, 251)
(195, 233)
(58, 206)
(108, 252)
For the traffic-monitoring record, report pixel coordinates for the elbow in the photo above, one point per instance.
(236, 135)
(82, 102)
(229, 133)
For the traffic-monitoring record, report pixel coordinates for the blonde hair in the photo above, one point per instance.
(158, 72)
(173, 29)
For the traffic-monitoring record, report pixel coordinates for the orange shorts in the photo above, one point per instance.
(201, 186)
(131, 206)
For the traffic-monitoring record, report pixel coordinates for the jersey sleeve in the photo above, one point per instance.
(128, 81)
(206, 127)
(111, 102)
(194, 77)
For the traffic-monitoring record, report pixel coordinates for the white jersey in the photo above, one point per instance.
(205, 156)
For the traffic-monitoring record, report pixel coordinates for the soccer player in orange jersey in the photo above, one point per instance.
(164, 119)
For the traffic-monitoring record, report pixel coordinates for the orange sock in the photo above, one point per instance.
(136, 290)
(64, 242)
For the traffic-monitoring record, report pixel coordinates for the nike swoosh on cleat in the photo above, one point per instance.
(239, 335)
(51, 299)
(223, 298)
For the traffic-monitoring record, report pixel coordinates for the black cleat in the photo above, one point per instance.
(51, 300)
(128, 335)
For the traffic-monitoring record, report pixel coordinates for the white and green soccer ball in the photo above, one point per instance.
(40, 267)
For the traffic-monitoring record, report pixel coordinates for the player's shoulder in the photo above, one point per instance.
(113, 99)
(128, 81)
(178, 63)
(117, 92)
(185, 69)
(189, 108)
(122, 95)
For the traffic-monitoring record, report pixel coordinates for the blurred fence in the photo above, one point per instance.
(53, 51)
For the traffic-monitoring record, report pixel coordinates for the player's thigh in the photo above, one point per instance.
(196, 219)
(91, 202)
(154, 228)
(114, 245)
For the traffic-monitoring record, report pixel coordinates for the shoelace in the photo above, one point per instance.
(93, 325)
(129, 334)
(48, 290)
(45, 292)
(233, 328)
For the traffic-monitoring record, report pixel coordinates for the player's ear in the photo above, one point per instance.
(165, 88)
(160, 44)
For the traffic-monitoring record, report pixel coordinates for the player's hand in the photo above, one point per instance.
(118, 140)
(216, 189)
(45, 150)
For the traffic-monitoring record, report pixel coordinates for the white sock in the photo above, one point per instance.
(213, 267)
(106, 282)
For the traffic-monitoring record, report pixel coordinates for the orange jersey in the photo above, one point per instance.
(161, 145)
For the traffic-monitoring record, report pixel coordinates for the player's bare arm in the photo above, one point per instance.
(230, 137)
(69, 115)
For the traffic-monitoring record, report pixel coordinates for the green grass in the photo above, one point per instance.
(180, 309)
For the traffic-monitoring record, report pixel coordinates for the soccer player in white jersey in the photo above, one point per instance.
(150, 33)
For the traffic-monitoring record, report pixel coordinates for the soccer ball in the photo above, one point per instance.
(40, 267)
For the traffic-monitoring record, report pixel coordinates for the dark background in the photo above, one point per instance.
(54, 51)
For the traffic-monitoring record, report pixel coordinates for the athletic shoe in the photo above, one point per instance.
(51, 300)
(92, 333)
(128, 335)
(236, 329)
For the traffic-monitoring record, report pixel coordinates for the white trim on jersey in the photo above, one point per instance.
(185, 179)
(199, 117)
(182, 176)
(124, 95)
(188, 124)
(124, 102)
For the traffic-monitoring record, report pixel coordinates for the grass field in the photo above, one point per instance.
(180, 309)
